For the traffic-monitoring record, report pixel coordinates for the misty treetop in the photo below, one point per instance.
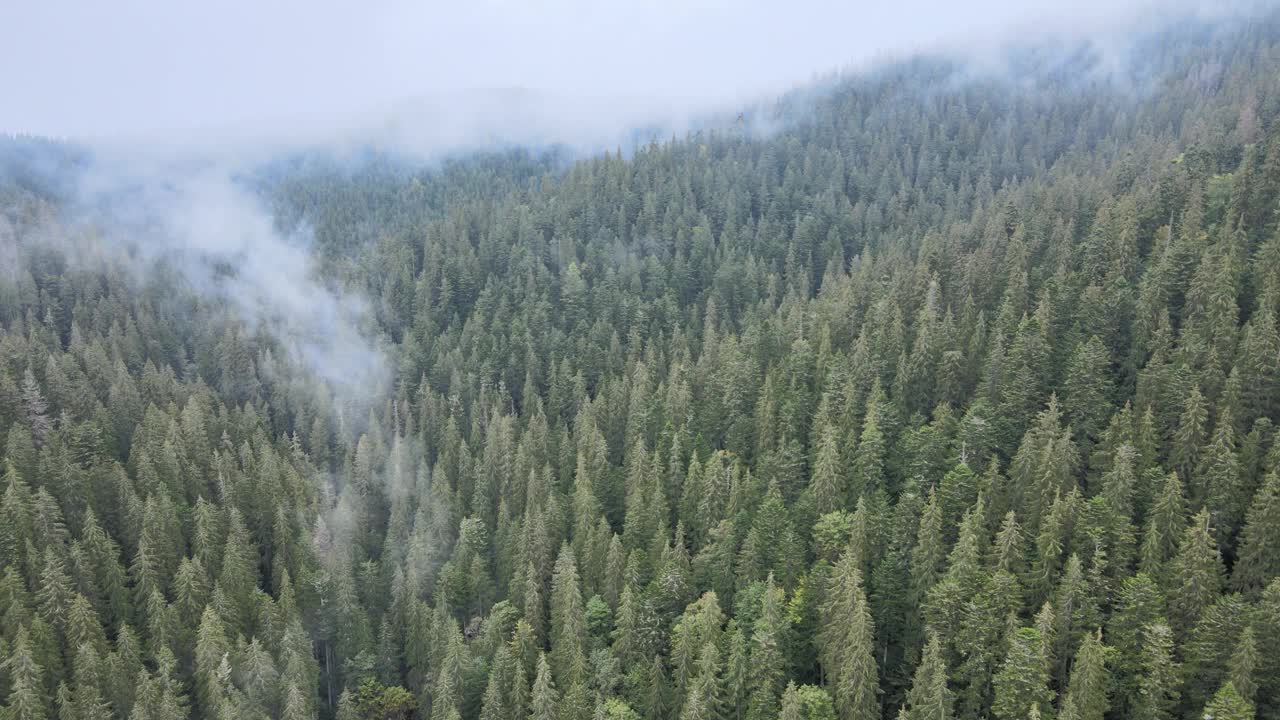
(955, 396)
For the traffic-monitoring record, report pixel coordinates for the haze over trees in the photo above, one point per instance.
(954, 397)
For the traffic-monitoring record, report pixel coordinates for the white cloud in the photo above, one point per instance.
(143, 68)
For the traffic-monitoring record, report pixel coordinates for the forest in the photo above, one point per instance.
(954, 395)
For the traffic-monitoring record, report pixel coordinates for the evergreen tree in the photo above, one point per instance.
(35, 408)
(929, 697)
(568, 628)
(1086, 393)
(1090, 684)
(848, 644)
(827, 484)
(1228, 705)
(1158, 684)
(26, 699)
(768, 640)
(1022, 682)
(1244, 665)
(1165, 525)
(1198, 571)
(1259, 557)
(544, 700)
(792, 707)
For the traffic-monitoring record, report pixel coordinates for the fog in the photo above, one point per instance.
(178, 102)
(198, 220)
(434, 73)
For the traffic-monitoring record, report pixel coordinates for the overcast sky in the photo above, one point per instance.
(137, 68)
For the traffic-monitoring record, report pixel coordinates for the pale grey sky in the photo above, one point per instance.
(139, 68)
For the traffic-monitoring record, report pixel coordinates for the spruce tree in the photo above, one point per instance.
(1198, 572)
(1259, 555)
(848, 644)
(26, 700)
(768, 641)
(929, 697)
(1159, 679)
(543, 699)
(1243, 667)
(568, 628)
(1090, 684)
(1165, 525)
(1227, 704)
(827, 484)
(1022, 682)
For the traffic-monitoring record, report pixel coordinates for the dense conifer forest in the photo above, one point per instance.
(954, 395)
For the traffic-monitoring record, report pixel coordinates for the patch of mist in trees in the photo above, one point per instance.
(196, 231)
(198, 221)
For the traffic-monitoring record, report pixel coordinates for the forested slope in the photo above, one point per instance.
(954, 396)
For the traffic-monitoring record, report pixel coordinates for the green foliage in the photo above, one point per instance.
(1228, 705)
(930, 698)
(950, 396)
(375, 701)
(1022, 683)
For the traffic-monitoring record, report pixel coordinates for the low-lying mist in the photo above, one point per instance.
(192, 200)
(202, 219)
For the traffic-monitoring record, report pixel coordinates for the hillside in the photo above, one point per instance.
(937, 393)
